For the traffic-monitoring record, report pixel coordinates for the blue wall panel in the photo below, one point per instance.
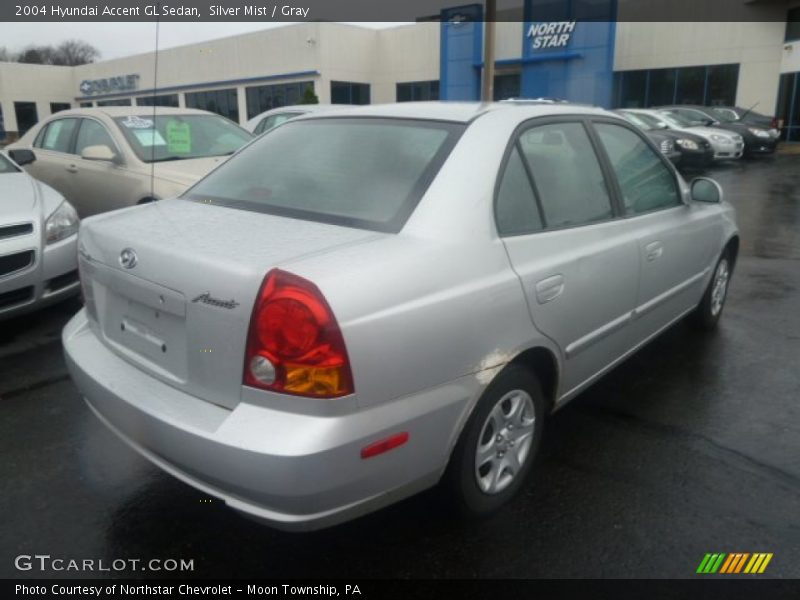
(580, 71)
(461, 48)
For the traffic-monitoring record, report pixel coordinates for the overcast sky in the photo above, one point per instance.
(123, 39)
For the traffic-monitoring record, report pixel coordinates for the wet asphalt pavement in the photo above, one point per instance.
(691, 446)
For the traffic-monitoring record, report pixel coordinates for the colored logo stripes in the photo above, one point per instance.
(737, 562)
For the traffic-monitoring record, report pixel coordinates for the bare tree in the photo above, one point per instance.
(5, 55)
(69, 53)
(38, 55)
(75, 52)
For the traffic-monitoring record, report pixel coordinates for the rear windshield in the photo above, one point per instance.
(674, 119)
(176, 136)
(726, 115)
(636, 120)
(363, 172)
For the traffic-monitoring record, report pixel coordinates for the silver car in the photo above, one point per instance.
(38, 243)
(270, 119)
(361, 305)
(726, 144)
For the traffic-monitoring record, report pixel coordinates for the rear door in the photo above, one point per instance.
(53, 150)
(675, 239)
(577, 261)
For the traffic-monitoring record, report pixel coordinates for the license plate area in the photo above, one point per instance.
(144, 321)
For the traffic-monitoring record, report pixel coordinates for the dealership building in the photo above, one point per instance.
(599, 52)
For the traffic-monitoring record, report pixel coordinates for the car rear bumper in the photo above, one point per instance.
(52, 277)
(293, 471)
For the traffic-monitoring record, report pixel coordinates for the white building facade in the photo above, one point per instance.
(609, 63)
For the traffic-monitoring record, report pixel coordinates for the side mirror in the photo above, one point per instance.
(22, 157)
(99, 152)
(704, 189)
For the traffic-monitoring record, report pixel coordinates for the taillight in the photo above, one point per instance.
(294, 345)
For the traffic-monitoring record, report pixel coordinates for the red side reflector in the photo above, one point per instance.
(384, 445)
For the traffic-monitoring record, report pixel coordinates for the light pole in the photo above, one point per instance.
(487, 91)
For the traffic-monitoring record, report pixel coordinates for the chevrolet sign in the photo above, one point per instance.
(109, 85)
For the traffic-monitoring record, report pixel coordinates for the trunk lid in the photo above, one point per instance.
(182, 311)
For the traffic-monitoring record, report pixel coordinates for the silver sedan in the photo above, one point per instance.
(365, 304)
(38, 243)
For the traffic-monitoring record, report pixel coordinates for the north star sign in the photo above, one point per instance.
(109, 85)
(550, 35)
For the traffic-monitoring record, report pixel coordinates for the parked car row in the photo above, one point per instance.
(361, 304)
(84, 162)
(725, 133)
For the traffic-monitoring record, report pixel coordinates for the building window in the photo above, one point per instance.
(26, 115)
(59, 106)
(713, 85)
(507, 85)
(788, 110)
(118, 102)
(160, 100)
(793, 25)
(691, 85)
(345, 92)
(660, 88)
(632, 89)
(721, 86)
(262, 98)
(414, 91)
(222, 102)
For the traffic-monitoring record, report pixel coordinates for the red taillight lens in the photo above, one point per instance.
(294, 345)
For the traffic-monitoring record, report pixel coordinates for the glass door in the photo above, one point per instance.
(788, 107)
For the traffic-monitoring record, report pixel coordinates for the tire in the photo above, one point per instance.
(480, 490)
(706, 316)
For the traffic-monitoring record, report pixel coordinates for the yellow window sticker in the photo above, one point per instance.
(179, 137)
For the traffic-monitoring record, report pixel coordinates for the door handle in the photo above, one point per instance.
(549, 289)
(72, 169)
(653, 250)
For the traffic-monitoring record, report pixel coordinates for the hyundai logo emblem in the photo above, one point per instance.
(128, 258)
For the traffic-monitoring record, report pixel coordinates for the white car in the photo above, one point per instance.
(113, 157)
(38, 237)
(272, 118)
(726, 145)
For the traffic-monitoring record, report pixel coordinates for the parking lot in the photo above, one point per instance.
(691, 446)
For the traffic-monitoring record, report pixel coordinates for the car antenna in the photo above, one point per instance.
(747, 112)
(155, 91)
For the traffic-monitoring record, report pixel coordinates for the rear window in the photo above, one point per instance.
(368, 173)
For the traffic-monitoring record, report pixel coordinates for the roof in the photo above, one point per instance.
(124, 111)
(461, 112)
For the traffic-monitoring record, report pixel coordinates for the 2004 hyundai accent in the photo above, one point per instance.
(361, 304)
